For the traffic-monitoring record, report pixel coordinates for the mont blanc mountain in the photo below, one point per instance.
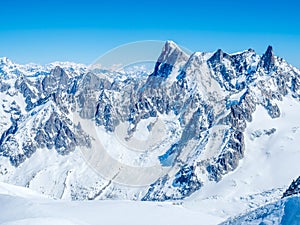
(204, 127)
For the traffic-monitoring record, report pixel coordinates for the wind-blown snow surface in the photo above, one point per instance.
(21, 206)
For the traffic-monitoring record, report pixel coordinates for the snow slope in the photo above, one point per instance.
(22, 206)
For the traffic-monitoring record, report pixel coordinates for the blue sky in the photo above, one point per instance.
(81, 31)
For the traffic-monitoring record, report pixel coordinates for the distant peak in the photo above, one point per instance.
(58, 71)
(5, 60)
(57, 68)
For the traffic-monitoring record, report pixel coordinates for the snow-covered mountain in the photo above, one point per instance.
(75, 132)
(284, 211)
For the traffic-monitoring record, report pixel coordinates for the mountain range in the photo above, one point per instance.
(194, 123)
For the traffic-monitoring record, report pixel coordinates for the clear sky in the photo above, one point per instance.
(81, 31)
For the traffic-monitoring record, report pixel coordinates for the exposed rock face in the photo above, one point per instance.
(268, 59)
(294, 188)
(171, 57)
(204, 100)
(283, 211)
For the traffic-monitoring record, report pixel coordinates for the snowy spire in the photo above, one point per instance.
(170, 56)
(170, 53)
(268, 59)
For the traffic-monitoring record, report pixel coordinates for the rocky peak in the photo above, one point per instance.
(58, 72)
(268, 59)
(294, 188)
(218, 56)
(171, 52)
(170, 56)
(57, 79)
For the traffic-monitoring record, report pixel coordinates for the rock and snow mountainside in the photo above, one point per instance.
(293, 189)
(285, 212)
(217, 111)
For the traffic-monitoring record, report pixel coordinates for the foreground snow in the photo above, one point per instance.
(23, 206)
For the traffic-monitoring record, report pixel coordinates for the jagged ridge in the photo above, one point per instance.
(211, 97)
